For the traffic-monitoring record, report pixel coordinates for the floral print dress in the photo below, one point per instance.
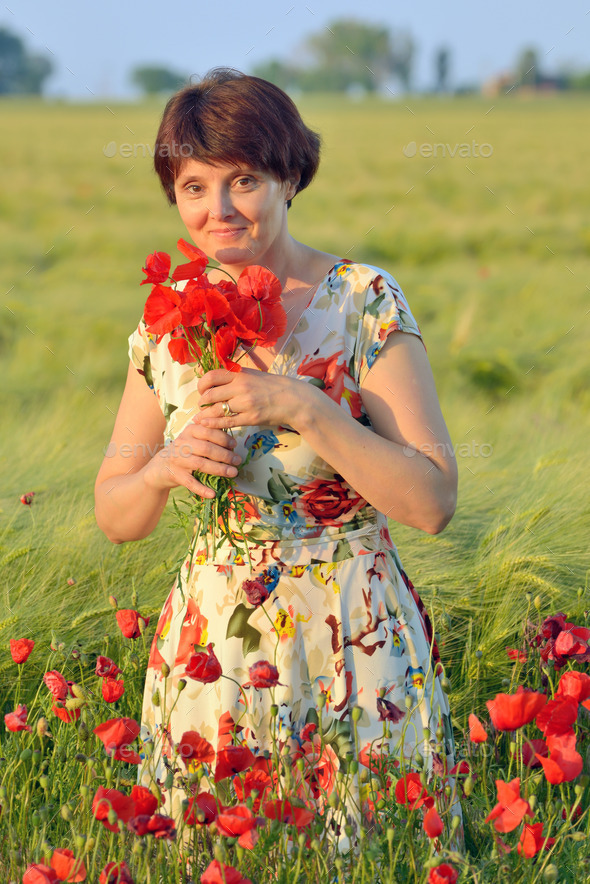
(328, 602)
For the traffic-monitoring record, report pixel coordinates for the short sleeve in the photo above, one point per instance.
(385, 311)
(141, 346)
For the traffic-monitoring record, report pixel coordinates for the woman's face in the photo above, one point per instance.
(235, 214)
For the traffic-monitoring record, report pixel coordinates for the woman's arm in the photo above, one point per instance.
(405, 469)
(137, 473)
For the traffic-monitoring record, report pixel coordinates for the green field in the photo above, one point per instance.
(492, 253)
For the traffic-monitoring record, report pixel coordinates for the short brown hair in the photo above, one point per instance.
(230, 117)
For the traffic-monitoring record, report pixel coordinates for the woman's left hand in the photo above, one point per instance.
(249, 398)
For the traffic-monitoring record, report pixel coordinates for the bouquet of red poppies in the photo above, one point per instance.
(208, 323)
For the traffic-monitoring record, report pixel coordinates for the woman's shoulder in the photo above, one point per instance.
(356, 274)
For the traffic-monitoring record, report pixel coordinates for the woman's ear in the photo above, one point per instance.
(291, 189)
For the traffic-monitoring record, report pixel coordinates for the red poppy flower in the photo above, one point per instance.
(232, 760)
(256, 592)
(117, 733)
(57, 684)
(17, 720)
(226, 342)
(157, 268)
(572, 640)
(204, 666)
(532, 840)
(288, 813)
(161, 313)
(116, 873)
(308, 731)
(410, 791)
(477, 732)
(144, 802)
(215, 874)
(106, 800)
(510, 809)
(558, 716)
(184, 345)
(27, 499)
(564, 763)
(66, 866)
(112, 689)
(106, 668)
(201, 810)
(516, 655)
(38, 873)
(194, 748)
(263, 675)
(443, 874)
(67, 715)
(259, 306)
(254, 781)
(531, 749)
(573, 684)
(20, 648)
(511, 711)
(131, 623)
(194, 254)
(320, 769)
(432, 823)
(162, 827)
(234, 821)
(203, 303)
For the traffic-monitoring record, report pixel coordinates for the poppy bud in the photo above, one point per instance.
(26, 755)
(448, 791)
(537, 602)
(455, 823)
(80, 843)
(73, 703)
(315, 844)
(578, 836)
(42, 727)
(584, 781)
(578, 791)
(333, 800)
(90, 844)
(353, 766)
(84, 790)
(322, 700)
(533, 802)
(348, 831)
(301, 839)
(356, 713)
(468, 785)
(445, 685)
(156, 699)
(112, 817)
(551, 873)
(424, 778)
(35, 819)
(426, 735)
(419, 761)
(169, 781)
(78, 691)
(43, 782)
(79, 756)
(408, 702)
(218, 853)
(113, 602)
(439, 733)
(66, 813)
(390, 833)
(36, 756)
(83, 731)
(300, 765)
(165, 670)
(181, 684)
(274, 710)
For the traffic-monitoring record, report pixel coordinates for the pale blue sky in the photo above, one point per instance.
(95, 44)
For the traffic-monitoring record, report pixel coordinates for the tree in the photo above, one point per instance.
(346, 54)
(152, 79)
(527, 68)
(21, 73)
(442, 64)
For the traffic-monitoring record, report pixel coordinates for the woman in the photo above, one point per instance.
(343, 428)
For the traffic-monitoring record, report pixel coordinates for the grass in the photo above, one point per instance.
(493, 256)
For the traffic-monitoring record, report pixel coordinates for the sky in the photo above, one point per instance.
(95, 45)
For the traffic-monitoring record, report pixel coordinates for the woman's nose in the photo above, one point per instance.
(220, 203)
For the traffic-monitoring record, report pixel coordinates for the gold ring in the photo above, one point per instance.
(227, 410)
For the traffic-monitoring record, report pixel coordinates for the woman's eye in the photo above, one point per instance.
(244, 181)
(194, 188)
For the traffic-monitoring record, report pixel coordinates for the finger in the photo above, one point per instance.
(214, 467)
(200, 432)
(225, 423)
(216, 377)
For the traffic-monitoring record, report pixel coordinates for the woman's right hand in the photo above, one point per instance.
(197, 448)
